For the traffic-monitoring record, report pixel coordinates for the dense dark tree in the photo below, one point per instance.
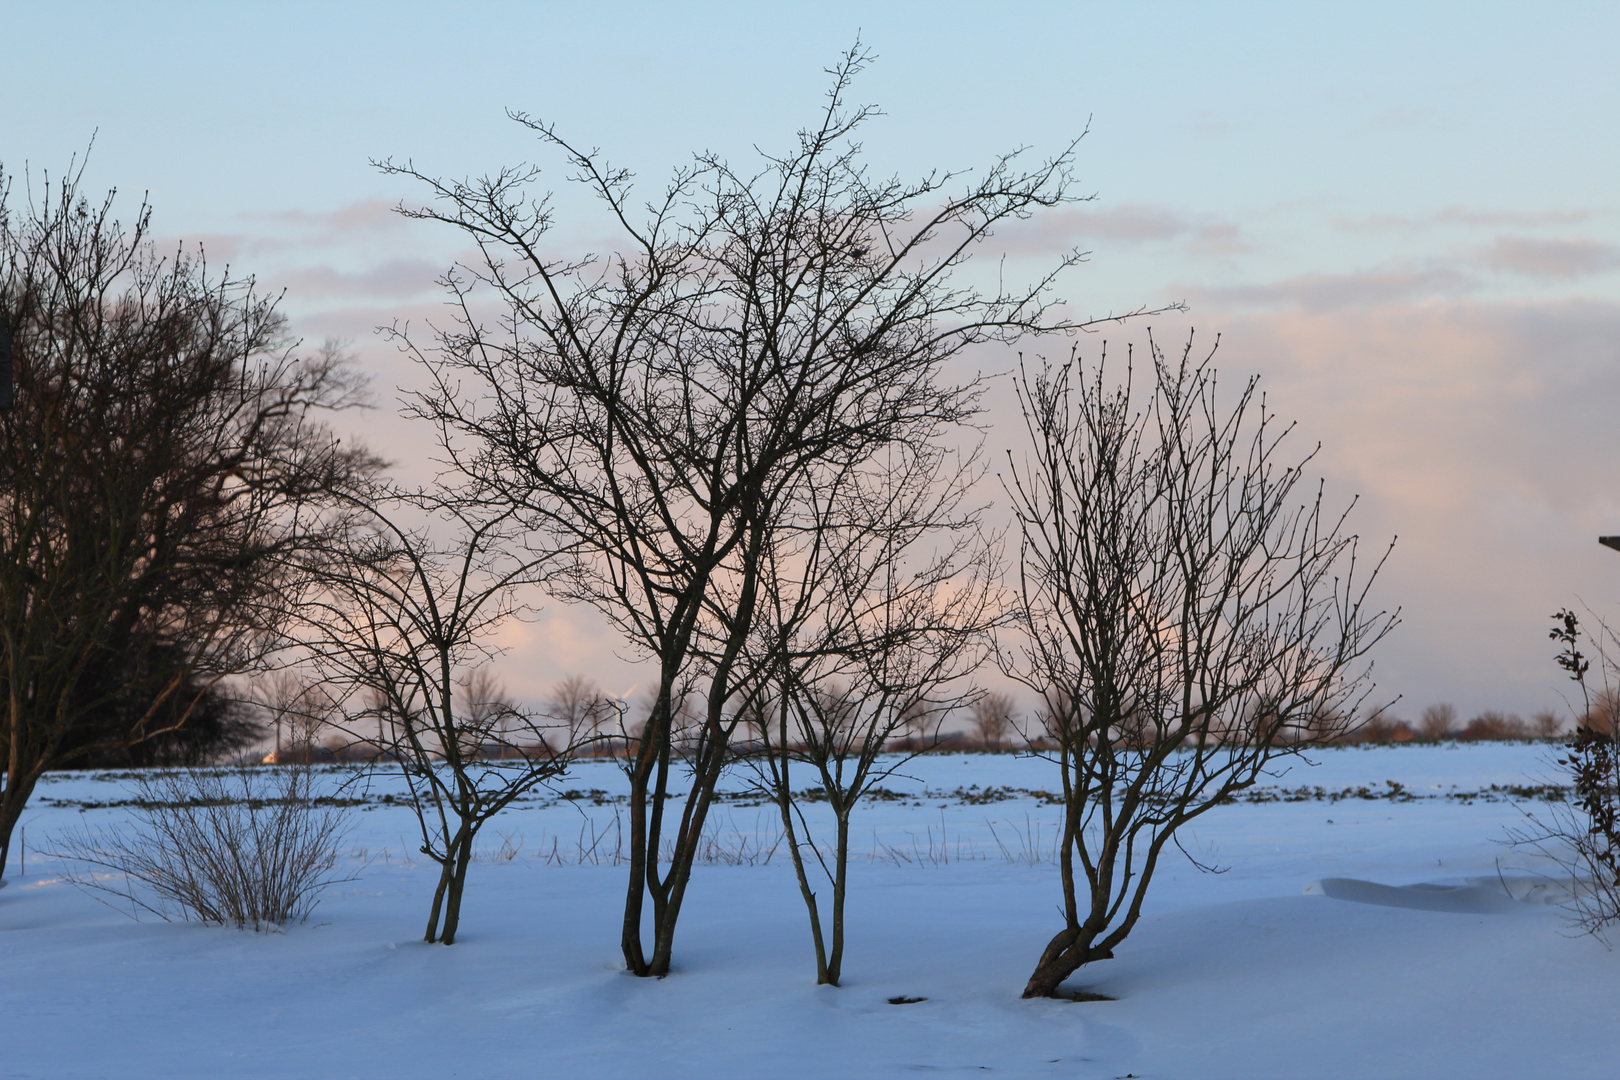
(160, 463)
(201, 723)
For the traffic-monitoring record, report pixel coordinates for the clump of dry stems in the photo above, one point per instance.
(244, 849)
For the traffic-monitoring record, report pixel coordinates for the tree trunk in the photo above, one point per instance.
(835, 964)
(432, 934)
(667, 904)
(13, 801)
(667, 897)
(452, 912)
(1064, 955)
(784, 803)
(644, 833)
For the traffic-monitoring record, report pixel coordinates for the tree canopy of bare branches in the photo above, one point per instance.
(399, 626)
(651, 413)
(1189, 610)
(878, 600)
(160, 462)
(993, 720)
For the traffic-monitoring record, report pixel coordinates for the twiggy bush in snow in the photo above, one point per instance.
(1583, 835)
(243, 849)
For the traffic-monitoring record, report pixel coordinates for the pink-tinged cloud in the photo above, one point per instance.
(1336, 292)
(368, 215)
(394, 279)
(1219, 241)
(1456, 216)
(1481, 434)
(1562, 260)
(1130, 223)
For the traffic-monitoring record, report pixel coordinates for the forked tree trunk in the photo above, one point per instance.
(452, 911)
(643, 873)
(667, 901)
(826, 974)
(1064, 955)
(452, 880)
(432, 934)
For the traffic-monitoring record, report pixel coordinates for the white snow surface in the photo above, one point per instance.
(1351, 934)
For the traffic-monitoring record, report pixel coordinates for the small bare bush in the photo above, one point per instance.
(1601, 711)
(1582, 836)
(1546, 724)
(243, 849)
(1495, 725)
(1379, 728)
(1438, 721)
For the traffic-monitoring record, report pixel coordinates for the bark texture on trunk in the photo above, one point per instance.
(1065, 954)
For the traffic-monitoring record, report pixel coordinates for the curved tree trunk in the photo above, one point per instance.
(1064, 955)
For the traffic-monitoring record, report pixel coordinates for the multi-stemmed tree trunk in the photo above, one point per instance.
(649, 413)
(1187, 612)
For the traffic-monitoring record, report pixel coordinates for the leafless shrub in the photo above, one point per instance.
(877, 606)
(1438, 721)
(243, 849)
(1379, 728)
(1582, 836)
(1546, 724)
(401, 632)
(1601, 711)
(1491, 724)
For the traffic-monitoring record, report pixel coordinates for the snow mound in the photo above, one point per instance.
(1470, 898)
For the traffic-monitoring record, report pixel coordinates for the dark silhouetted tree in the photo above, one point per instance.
(159, 466)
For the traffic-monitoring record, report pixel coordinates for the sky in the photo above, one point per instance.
(1404, 218)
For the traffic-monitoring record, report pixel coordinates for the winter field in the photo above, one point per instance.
(1259, 971)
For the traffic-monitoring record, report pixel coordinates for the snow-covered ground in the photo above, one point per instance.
(1239, 974)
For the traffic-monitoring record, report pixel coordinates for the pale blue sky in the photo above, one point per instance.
(1406, 216)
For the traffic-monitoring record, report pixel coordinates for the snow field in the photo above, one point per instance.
(1238, 974)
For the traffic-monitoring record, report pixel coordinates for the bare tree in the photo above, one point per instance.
(299, 709)
(1187, 609)
(1438, 721)
(580, 707)
(877, 602)
(1602, 711)
(1493, 724)
(399, 629)
(648, 412)
(993, 720)
(1546, 724)
(160, 463)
